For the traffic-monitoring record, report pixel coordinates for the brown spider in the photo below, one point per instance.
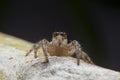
(59, 47)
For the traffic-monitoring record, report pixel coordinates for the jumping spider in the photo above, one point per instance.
(59, 46)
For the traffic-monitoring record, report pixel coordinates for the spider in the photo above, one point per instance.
(59, 46)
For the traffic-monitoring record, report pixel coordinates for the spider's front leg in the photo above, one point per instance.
(43, 43)
(34, 48)
(79, 53)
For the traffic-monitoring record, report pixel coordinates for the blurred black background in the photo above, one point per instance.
(94, 23)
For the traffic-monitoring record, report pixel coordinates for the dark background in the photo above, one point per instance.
(94, 23)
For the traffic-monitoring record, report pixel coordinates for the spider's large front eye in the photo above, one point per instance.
(64, 35)
(55, 34)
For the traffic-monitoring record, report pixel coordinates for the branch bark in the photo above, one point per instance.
(15, 66)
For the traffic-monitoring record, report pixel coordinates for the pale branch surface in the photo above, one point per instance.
(15, 66)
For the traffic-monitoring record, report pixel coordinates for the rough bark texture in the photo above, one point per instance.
(15, 66)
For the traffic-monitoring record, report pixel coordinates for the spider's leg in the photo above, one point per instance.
(45, 43)
(45, 54)
(35, 47)
(78, 58)
(80, 54)
(29, 51)
(74, 47)
(86, 58)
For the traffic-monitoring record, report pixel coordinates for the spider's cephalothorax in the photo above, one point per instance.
(59, 46)
(59, 38)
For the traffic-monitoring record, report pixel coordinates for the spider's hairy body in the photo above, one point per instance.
(60, 50)
(59, 46)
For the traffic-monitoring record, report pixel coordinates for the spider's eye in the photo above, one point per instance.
(55, 34)
(64, 35)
